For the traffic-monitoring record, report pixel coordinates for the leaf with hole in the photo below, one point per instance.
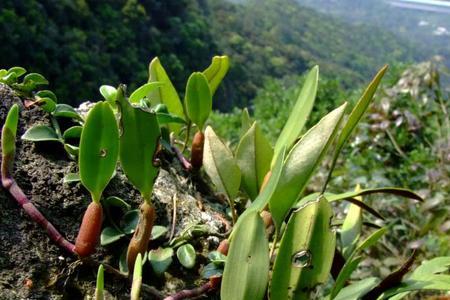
(99, 149)
(306, 252)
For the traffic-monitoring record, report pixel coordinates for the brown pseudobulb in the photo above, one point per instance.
(197, 150)
(90, 229)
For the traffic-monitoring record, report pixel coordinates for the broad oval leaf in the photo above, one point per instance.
(306, 252)
(110, 235)
(47, 104)
(144, 91)
(301, 162)
(99, 149)
(186, 256)
(220, 165)
(138, 144)
(73, 132)
(66, 111)
(166, 93)
(299, 114)
(247, 267)
(198, 99)
(35, 78)
(47, 94)
(158, 231)
(40, 133)
(160, 259)
(253, 156)
(216, 71)
(130, 221)
(116, 202)
(18, 71)
(108, 92)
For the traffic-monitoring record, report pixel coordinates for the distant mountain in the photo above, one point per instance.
(274, 38)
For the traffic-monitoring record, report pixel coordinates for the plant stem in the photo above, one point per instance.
(233, 211)
(186, 139)
(184, 294)
(184, 162)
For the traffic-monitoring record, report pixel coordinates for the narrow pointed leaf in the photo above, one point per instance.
(144, 91)
(9, 132)
(99, 149)
(100, 286)
(385, 190)
(220, 165)
(138, 144)
(356, 115)
(300, 112)
(166, 93)
(216, 72)
(301, 162)
(306, 252)
(253, 156)
(247, 267)
(40, 133)
(198, 99)
(351, 228)
(246, 121)
(137, 278)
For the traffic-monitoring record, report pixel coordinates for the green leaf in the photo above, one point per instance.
(351, 228)
(71, 177)
(35, 79)
(99, 288)
(46, 104)
(123, 264)
(158, 231)
(198, 99)
(138, 144)
(357, 289)
(73, 132)
(217, 258)
(99, 149)
(350, 265)
(166, 93)
(211, 270)
(220, 165)
(306, 252)
(73, 151)
(46, 94)
(160, 259)
(110, 235)
(246, 121)
(40, 133)
(164, 118)
(117, 202)
(356, 115)
(247, 268)
(144, 91)
(130, 221)
(384, 190)
(18, 71)
(301, 162)
(432, 283)
(137, 278)
(9, 132)
(253, 156)
(108, 92)
(299, 114)
(216, 71)
(66, 111)
(186, 256)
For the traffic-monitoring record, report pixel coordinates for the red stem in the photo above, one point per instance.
(185, 294)
(184, 162)
(10, 184)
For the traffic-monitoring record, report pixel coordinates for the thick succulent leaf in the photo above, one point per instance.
(220, 165)
(40, 133)
(108, 92)
(355, 116)
(357, 289)
(216, 72)
(35, 79)
(300, 112)
(247, 267)
(350, 265)
(47, 104)
(66, 111)
(160, 259)
(18, 71)
(138, 144)
(198, 99)
(99, 149)
(9, 132)
(166, 93)
(158, 231)
(144, 91)
(301, 162)
(306, 252)
(129, 221)
(352, 226)
(110, 235)
(253, 156)
(46, 94)
(73, 132)
(186, 256)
